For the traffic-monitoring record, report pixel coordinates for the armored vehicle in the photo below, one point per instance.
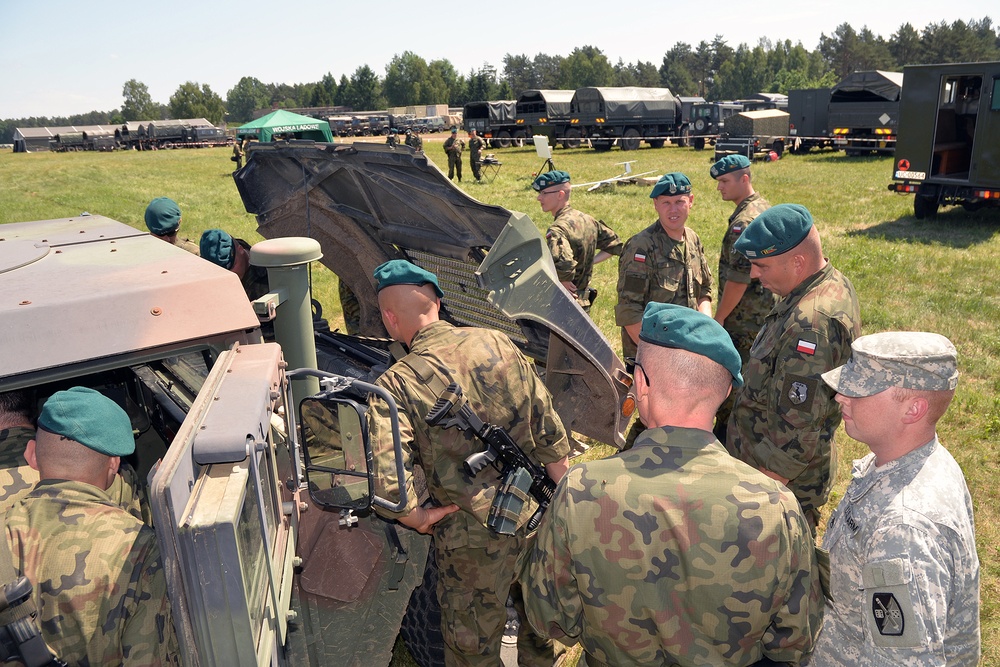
(948, 151)
(864, 112)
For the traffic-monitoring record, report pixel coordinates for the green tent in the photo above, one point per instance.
(286, 122)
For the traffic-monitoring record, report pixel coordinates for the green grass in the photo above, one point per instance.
(917, 275)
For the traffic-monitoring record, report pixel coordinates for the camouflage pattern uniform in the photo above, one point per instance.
(17, 478)
(391, 139)
(477, 567)
(744, 321)
(415, 141)
(350, 307)
(476, 145)
(453, 147)
(784, 417)
(904, 569)
(98, 580)
(189, 245)
(654, 267)
(655, 556)
(574, 239)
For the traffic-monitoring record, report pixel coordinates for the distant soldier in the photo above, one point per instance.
(453, 147)
(98, 579)
(414, 140)
(218, 247)
(237, 154)
(163, 219)
(476, 145)
(743, 301)
(391, 139)
(576, 240)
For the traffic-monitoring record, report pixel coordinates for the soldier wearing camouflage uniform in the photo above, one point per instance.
(350, 307)
(664, 263)
(904, 569)
(743, 301)
(784, 418)
(476, 146)
(576, 240)
(652, 556)
(98, 581)
(16, 429)
(453, 147)
(477, 567)
(163, 220)
(414, 140)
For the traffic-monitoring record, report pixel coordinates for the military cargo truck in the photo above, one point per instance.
(948, 151)
(864, 111)
(808, 110)
(546, 112)
(626, 116)
(495, 122)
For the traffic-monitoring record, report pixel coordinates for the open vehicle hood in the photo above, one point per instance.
(368, 203)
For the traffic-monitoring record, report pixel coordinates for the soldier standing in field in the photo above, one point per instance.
(743, 301)
(413, 140)
(99, 586)
(453, 147)
(576, 240)
(163, 220)
(476, 145)
(784, 418)
(477, 566)
(653, 556)
(237, 154)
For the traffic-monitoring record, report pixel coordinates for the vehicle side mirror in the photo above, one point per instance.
(337, 452)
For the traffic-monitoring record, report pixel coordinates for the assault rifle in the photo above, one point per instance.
(521, 477)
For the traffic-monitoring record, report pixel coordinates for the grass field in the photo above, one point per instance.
(910, 275)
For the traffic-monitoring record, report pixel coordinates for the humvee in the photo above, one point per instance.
(271, 550)
(948, 148)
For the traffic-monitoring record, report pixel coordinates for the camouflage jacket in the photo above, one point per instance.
(189, 245)
(476, 147)
(745, 319)
(653, 557)
(904, 569)
(502, 389)
(16, 477)
(415, 141)
(99, 585)
(784, 416)
(574, 239)
(654, 267)
(454, 147)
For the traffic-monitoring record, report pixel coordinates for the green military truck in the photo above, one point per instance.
(263, 512)
(863, 112)
(948, 150)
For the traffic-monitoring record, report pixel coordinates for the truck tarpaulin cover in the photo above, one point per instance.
(870, 84)
(626, 102)
(547, 102)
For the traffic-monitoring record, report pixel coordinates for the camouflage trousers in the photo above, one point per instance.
(351, 309)
(454, 166)
(473, 587)
(742, 341)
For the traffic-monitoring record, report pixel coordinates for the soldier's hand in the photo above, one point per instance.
(422, 519)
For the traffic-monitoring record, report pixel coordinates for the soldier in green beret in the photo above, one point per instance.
(413, 140)
(453, 147)
(477, 567)
(784, 418)
(98, 579)
(163, 220)
(652, 556)
(576, 240)
(219, 247)
(743, 301)
(476, 146)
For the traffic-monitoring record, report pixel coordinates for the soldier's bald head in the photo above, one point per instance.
(58, 457)
(408, 308)
(684, 377)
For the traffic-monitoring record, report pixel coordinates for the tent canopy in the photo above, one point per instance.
(286, 122)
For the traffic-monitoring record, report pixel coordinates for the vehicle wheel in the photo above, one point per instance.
(700, 125)
(778, 147)
(519, 137)
(973, 206)
(657, 143)
(503, 138)
(685, 139)
(699, 143)
(924, 207)
(630, 141)
(572, 138)
(421, 626)
(601, 144)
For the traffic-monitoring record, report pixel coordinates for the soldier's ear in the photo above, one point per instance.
(30, 455)
(915, 411)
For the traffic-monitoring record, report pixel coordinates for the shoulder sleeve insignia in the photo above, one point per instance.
(639, 257)
(887, 614)
(806, 347)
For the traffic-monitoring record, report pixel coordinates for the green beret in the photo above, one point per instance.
(671, 185)
(683, 328)
(454, 130)
(401, 272)
(90, 418)
(728, 164)
(217, 247)
(163, 216)
(775, 231)
(550, 178)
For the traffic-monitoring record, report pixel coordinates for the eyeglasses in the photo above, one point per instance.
(644, 376)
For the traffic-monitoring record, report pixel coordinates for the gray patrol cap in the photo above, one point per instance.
(907, 359)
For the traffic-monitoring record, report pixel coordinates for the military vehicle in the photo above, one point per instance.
(755, 134)
(494, 121)
(948, 150)
(271, 551)
(864, 111)
(807, 122)
(546, 112)
(708, 121)
(626, 116)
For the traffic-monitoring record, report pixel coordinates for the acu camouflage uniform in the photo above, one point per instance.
(674, 553)
(477, 567)
(453, 147)
(904, 569)
(98, 581)
(574, 239)
(476, 145)
(784, 417)
(654, 267)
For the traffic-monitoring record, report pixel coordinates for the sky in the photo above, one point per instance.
(62, 57)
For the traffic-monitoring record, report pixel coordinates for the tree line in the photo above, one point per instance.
(713, 70)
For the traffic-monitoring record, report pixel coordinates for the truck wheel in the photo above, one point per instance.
(601, 144)
(657, 143)
(630, 141)
(700, 125)
(924, 207)
(778, 147)
(685, 138)
(973, 206)
(421, 626)
(519, 138)
(572, 138)
(503, 138)
(699, 143)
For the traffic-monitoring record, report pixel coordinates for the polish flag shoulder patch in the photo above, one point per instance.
(806, 347)
(639, 257)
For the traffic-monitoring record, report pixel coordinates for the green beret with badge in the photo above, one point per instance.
(906, 359)
(550, 178)
(729, 164)
(671, 185)
(683, 328)
(775, 231)
(217, 247)
(89, 418)
(401, 272)
(163, 216)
